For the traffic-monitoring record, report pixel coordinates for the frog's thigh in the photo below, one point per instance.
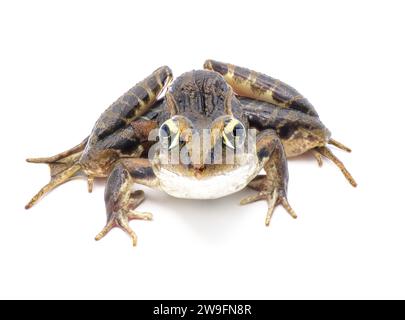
(131, 105)
(298, 131)
(252, 84)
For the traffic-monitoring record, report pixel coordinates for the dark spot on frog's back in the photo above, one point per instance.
(126, 146)
(287, 130)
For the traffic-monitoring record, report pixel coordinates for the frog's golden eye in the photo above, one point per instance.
(169, 133)
(234, 133)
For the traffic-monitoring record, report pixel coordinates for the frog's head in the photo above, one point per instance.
(205, 124)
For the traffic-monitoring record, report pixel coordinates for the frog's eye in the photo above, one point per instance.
(234, 133)
(169, 133)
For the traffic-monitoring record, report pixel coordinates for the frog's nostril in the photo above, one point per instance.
(198, 166)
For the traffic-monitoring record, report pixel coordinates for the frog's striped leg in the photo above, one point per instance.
(255, 85)
(112, 136)
(121, 201)
(132, 105)
(271, 187)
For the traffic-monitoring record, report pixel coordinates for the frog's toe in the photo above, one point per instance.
(273, 199)
(56, 180)
(256, 197)
(318, 157)
(121, 220)
(63, 167)
(339, 145)
(327, 153)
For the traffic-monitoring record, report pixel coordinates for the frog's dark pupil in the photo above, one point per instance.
(237, 130)
(165, 133)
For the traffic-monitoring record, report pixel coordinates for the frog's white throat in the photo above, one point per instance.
(210, 187)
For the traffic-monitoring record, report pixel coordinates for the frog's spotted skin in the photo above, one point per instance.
(220, 100)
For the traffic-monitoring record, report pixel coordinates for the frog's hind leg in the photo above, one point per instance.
(255, 85)
(63, 167)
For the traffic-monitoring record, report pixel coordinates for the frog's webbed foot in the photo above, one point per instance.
(327, 153)
(121, 217)
(63, 167)
(120, 201)
(273, 197)
(63, 160)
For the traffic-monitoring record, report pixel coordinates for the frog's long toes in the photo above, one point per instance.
(273, 200)
(55, 181)
(249, 199)
(90, 184)
(327, 153)
(63, 166)
(63, 156)
(318, 157)
(339, 145)
(132, 215)
(271, 203)
(287, 207)
(38, 160)
(105, 230)
(121, 220)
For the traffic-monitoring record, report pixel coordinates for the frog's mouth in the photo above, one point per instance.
(210, 182)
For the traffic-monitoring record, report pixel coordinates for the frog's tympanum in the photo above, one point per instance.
(210, 135)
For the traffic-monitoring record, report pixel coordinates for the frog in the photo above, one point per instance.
(152, 136)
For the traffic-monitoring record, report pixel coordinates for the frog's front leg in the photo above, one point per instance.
(121, 201)
(271, 187)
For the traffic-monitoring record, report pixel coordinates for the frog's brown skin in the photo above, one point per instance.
(221, 98)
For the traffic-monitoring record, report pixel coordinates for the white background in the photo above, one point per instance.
(63, 63)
